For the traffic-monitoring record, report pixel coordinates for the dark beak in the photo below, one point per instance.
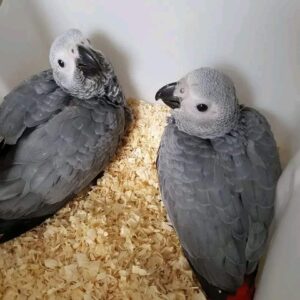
(166, 94)
(88, 61)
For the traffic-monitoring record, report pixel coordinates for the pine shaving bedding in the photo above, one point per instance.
(113, 241)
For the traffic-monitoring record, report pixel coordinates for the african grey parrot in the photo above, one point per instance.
(218, 166)
(61, 128)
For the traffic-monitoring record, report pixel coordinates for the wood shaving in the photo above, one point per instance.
(111, 242)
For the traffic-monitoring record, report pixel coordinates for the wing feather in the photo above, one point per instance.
(30, 104)
(57, 160)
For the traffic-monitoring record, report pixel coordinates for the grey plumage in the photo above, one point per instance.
(219, 192)
(58, 145)
(30, 104)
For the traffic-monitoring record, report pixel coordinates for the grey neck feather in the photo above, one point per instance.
(108, 85)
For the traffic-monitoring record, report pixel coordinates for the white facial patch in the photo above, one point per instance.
(64, 53)
(190, 95)
(189, 107)
(64, 62)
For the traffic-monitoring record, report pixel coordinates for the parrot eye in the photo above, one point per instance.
(202, 107)
(181, 90)
(61, 63)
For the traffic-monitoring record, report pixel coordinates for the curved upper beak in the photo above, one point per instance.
(88, 61)
(166, 94)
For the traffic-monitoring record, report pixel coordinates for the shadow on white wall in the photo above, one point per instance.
(246, 96)
(119, 59)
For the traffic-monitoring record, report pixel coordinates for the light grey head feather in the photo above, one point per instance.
(72, 75)
(209, 87)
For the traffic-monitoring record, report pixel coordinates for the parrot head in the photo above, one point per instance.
(203, 103)
(77, 67)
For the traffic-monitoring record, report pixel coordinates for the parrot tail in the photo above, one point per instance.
(244, 292)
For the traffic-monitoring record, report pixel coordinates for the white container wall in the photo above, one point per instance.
(153, 42)
(281, 276)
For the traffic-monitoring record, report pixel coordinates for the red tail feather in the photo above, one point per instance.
(245, 292)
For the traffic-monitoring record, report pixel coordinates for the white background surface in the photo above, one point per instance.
(154, 42)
